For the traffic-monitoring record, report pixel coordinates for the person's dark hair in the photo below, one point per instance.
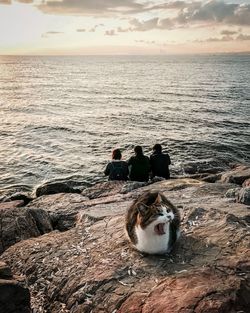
(157, 147)
(116, 154)
(138, 150)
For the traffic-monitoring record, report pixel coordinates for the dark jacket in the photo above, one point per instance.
(117, 170)
(139, 168)
(159, 164)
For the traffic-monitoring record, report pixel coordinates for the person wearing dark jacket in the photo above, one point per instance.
(117, 169)
(160, 162)
(139, 166)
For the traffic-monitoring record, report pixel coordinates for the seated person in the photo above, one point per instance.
(139, 166)
(160, 162)
(117, 169)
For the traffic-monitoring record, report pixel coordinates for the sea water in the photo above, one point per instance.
(60, 117)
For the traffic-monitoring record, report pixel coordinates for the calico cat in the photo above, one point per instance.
(153, 223)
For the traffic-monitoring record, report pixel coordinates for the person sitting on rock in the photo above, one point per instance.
(139, 166)
(159, 162)
(117, 169)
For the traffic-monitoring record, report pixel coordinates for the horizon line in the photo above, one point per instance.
(125, 54)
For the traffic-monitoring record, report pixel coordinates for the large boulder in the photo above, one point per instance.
(93, 268)
(18, 223)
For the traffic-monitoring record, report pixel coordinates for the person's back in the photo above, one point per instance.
(160, 162)
(139, 166)
(117, 169)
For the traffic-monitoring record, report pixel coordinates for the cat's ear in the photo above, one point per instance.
(142, 209)
(158, 199)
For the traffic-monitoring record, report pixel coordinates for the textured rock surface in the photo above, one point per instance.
(244, 195)
(62, 208)
(18, 223)
(237, 176)
(53, 188)
(14, 297)
(92, 267)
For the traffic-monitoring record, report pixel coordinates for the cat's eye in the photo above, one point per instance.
(168, 210)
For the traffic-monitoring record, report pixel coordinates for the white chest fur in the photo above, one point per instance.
(150, 242)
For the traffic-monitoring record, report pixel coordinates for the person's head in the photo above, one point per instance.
(116, 154)
(138, 150)
(157, 148)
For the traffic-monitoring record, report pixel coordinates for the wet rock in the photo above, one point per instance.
(190, 168)
(236, 176)
(201, 167)
(244, 195)
(20, 223)
(53, 188)
(26, 198)
(14, 297)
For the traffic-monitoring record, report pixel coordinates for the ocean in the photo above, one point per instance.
(61, 117)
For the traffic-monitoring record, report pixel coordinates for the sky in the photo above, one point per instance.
(118, 27)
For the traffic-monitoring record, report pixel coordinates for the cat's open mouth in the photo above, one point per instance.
(159, 229)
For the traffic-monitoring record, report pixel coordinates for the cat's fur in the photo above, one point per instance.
(153, 223)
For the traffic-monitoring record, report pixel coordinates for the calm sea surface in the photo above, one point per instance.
(60, 117)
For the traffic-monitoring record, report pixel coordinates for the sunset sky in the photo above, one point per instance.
(62, 27)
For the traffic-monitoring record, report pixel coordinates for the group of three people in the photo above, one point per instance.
(139, 167)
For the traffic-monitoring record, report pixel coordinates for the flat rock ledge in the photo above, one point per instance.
(79, 259)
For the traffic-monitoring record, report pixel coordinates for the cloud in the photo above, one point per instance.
(145, 25)
(148, 42)
(93, 29)
(110, 32)
(47, 34)
(25, 1)
(88, 7)
(242, 37)
(53, 33)
(10, 1)
(228, 37)
(5, 1)
(215, 11)
(81, 30)
(193, 14)
(229, 32)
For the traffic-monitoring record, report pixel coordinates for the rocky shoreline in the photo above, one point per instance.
(63, 249)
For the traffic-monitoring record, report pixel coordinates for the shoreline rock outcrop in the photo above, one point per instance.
(81, 261)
